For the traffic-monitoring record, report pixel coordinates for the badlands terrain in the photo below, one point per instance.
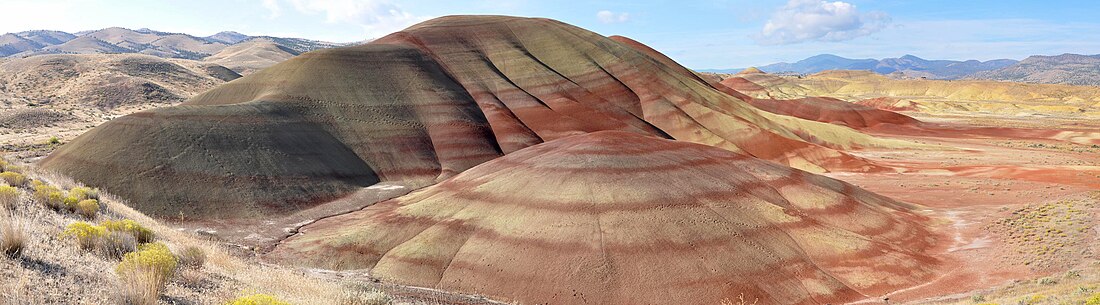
(492, 159)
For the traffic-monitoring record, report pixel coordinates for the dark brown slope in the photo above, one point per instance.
(615, 217)
(419, 106)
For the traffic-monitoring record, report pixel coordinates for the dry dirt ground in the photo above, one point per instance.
(1012, 211)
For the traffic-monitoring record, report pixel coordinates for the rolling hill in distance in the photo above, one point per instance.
(224, 47)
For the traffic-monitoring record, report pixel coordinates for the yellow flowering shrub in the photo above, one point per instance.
(49, 195)
(85, 234)
(155, 257)
(144, 273)
(84, 193)
(1093, 300)
(87, 208)
(257, 299)
(9, 196)
(141, 233)
(13, 178)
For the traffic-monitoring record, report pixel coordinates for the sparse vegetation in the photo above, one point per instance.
(13, 178)
(144, 273)
(53, 140)
(13, 239)
(257, 299)
(364, 295)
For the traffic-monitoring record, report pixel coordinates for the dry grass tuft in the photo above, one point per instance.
(364, 295)
(9, 197)
(192, 257)
(257, 299)
(143, 274)
(13, 238)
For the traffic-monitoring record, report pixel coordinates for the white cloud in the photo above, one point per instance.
(273, 7)
(376, 17)
(612, 17)
(819, 20)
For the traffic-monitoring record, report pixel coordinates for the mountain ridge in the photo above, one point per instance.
(906, 66)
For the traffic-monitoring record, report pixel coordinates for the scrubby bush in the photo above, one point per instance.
(48, 195)
(13, 178)
(144, 273)
(12, 237)
(192, 257)
(53, 140)
(9, 197)
(87, 235)
(116, 244)
(84, 193)
(141, 233)
(257, 299)
(87, 208)
(111, 237)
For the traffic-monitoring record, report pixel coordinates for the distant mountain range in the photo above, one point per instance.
(907, 65)
(117, 40)
(1070, 69)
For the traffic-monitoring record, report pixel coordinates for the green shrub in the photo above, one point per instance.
(87, 208)
(53, 140)
(257, 299)
(9, 197)
(13, 178)
(141, 233)
(144, 273)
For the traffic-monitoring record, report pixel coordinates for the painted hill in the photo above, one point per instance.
(616, 217)
(932, 96)
(1069, 69)
(420, 106)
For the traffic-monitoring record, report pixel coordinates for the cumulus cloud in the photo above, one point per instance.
(607, 17)
(819, 20)
(376, 17)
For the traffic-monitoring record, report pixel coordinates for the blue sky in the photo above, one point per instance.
(699, 34)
